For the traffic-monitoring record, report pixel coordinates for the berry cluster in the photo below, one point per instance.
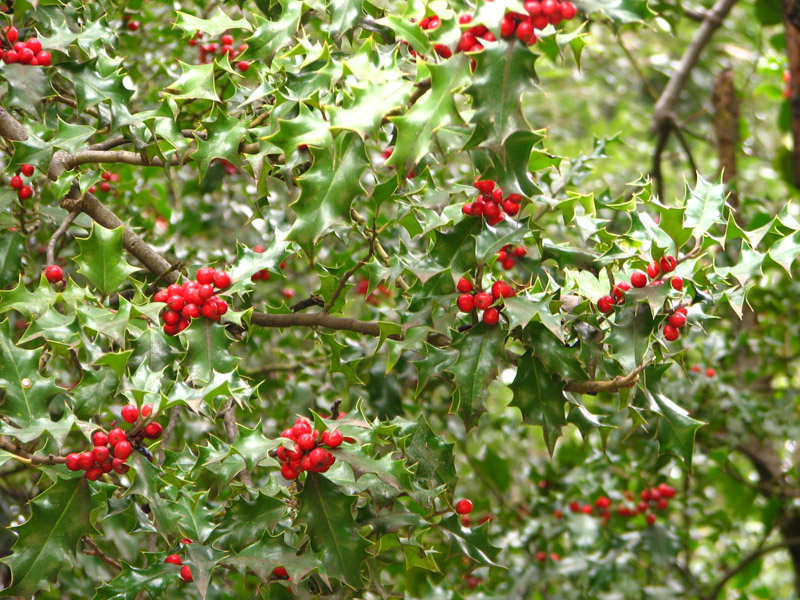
(362, 289)
(491, 204)
(654, 277)
(541, 556)
(105, 185)
(657, 497)
(307, 453)
(28, 52)
(467, 302)
(225, 46)
(24, 191)
(539, 15)
(111, 450)
(192, 299)
(175, 559)
(710, 372)
(508, 254)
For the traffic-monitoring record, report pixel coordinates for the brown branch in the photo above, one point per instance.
(62, 229)
(232, 432)
(94, 550)
(10, 128)
(609, 387)
(712, 20)
(379, 250)
(26, 457)
(313, 300)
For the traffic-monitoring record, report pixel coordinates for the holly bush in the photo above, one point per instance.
(359, 299)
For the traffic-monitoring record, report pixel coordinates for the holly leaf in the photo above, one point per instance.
(208, 350)
(47, 540)
(327, 190)
(27, 86)
(479, 352)
(472, 542)
(224, 136)
(272, 35)
(368, 106)
(328, 516)
(214, 27)
(93, 87)
(70, 137)
(268, 553)
(195, 83)
(230, 534)
(629, 338)
(12, 246)
(540, 398)
(131, 581)
(101, 259)
(676, 429)
(703, 206)
(432, 456)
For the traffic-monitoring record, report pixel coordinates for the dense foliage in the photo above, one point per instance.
(360, 299)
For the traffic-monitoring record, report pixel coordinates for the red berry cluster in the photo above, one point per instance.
(541, 556)
(467, 302)
(362, 289)
(508, 254)
(192, 299)
(657, 497)
(710, 372)
(654, 277)
(225, 46)
(28, 52)
(24, 191)
(307, 453)
(111, 450)
(105, 185)
(491, 204)
(175, 559)
(538, 15)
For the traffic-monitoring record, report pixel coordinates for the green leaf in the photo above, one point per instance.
(230, 534)
(59, 517)
(272, 35)
(215, 26)
(27, 86)
(629, 337)
(704, 206)
(480, 350)
(785, 252)
(435, 109)
(224, 136)
(619, 11)
(432, 456)
(676, 429)
(369, 105)
(131, 581)
(540, 398)
(101, 259)
(71, 137)
(268, 553)
(472, 542)
(195, 83)
(12, 246)
(327, 513)
(208, 350)
(327, 190)
(93, 87)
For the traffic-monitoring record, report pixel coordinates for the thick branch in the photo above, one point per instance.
(26, 457)
(712, 20)
(609, 387)
(10, 128)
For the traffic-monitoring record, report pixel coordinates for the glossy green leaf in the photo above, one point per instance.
(101, 259)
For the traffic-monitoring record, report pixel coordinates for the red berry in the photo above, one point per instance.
(524, 31)
(677, 283)
(175, 290)
(105, 186)
(222, 280)
(335, 439)
(147, 410)
(491, 316)
(100, 438)
(152, 431)
(34, 44)
(123, 449)
(549, 7)
(519, 251)
(602, 503)
(639, 279)
(25, 192)
(434, 22)
(176, 303)
(485, 186)
(568, 10)
(130, 413)
(222, 306)
(25, 55)
(464, 507)
(133, 26)
(468, 209)
(115, 436)
(171, 317)
(605, 304)
(173, 559)
(16, 182)
(491, 210)
(587, 509)
(100, 454)
(227, 39)
(653, 270)
(442, 50)
(258, 249)
(558, 514)
(508, 264)
(54, 273)
(210, 310)
(464, 19)
(280, 572)
(651, 519)
(574, 507)
(86, 461)
(541, 556)
(619, 291)
(306, 441)
(464, 285)
(119, 466)
(190, 311)
(671, 333)
(533, 7)
(186, 574)
(161, 296)
(677, 320)
(94, 473)
(668, 264)
(500, 289)
(507, 27)
(10, 57)
(205, 291)
(73, 461)
(243, 65)
(466, 303)
(511, 208)
(710, 372)
(205, 275)
(483, 300)
(11, 33)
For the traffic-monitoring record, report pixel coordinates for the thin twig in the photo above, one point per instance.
(379, 250)
(51, 245)
(343, 281)
(96, 551)
(28, 458)
(232, 432)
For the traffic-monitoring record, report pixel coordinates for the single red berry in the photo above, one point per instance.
(115, 436)
(468, 209)
(171, 329)
(533, 7)
(497, 195)
(161, 296)
(677, 320)
(227, 39)
(549, 7)
(106, 175)
(306, 441)
(602, 503)
(677, 283)
(152, 431)
(568, 11)
(524, 31)
(558, 514)
(483, 300)
(666, 490)
(34, 44)
(205, 291)
(485, 186)
(442, 50)
(119, 466)
(587, 509)
(710, 372)
(105, 186)
(258, 249)
(222, 306)
(300, 427)
(662, 504)
(73, 461)
(519, 251)
(511, 208)
(507, 27)
(668, 264)
(335, 439)
(464, 507)
(464, 285)
(186, 574)
(175, 290)
(619, 291)
(465, 19)
(123, 449)
(541, 556)
(243, 65)
(147, 410)
(171, 317)
(280, 572)
(671, 333)
(205, 275)
(501, 289)
(10, 57)
(210, 310)
(508, 264)
(651, 519)
(16, 182)
(130, 413)
(100, 438)
(44, 58)
(173, 559)
(639, 279)
(134, 26)
(575, 507)
(186, 541)
(182, 324)
(11, 33)
(192, 295)
(86, 461)
(491, 210)
(222, 280)
(54, 273)
(94, 473)
(176, 303)
(466, 302)
(491, 316)
(25, 192)
(100, 454)
(605, 304)
(25, 55)
(653, 270)
(434, 22)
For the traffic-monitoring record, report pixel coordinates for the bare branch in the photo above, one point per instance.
(62, 229)
(10, 128)
(232, 432)
(609, 387)
(26, 457)
(94, 550)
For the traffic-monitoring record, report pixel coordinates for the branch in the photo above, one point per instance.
(610, 387)
(26, 457)
(51, 245)
(95, 551)
(10, 128)
(232, 432)
(712, 20)
(378, 248)
(313, 300)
